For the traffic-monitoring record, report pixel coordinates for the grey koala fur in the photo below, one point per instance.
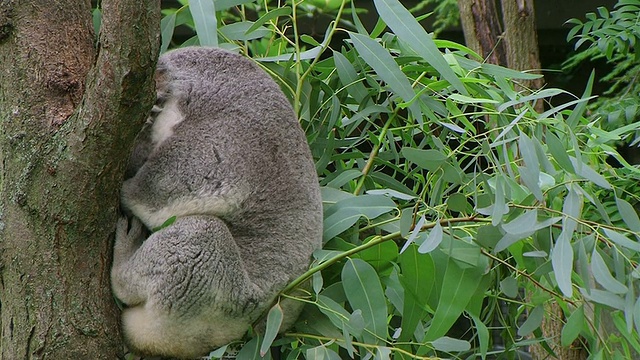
(224, 153)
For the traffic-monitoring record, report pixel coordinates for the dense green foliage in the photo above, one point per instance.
(614, 36)
(447, 196)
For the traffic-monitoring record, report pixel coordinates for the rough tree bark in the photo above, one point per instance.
(512, 41)
(70, 107)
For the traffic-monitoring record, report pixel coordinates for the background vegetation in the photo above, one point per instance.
(454, 211)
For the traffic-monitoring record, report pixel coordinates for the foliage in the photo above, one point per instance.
(445, 12)
(446, 194)
(614, 36)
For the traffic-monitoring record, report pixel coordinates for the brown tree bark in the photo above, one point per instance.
(70, 106)
(512, 41)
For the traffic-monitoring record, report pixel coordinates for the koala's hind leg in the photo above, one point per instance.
(196, 293)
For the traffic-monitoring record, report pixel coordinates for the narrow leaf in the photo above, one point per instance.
(534, 320)
(458, 287)
(414, 233)
(426, 159)
(448, 344)
(418, 277)
(433, 240)
(562, 262)
(282, 11)
(573, 327)
(167, 25)
(523, 224)
(274, 321)
(603, 276)
(407, 28)
(349, 77)
(387, 69)
(629, 214)
(622, 240)
(364, 292)
(203, 13)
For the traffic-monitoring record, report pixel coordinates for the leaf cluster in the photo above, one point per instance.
(612, 35)
(454, 211)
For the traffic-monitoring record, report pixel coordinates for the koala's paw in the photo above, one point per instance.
(129, 231)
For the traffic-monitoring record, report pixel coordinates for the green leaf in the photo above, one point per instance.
(426, 159)
(97, 20)
(604, 298)
(418, 277)
(636, 315)
(523, 224)
(343, 214)
(603, 276)
(629, 214)
(622, 240)
(509, 286)
(433, 240)
(448, 344)
(203, 13)
(364, 292)
(380, 255)
(239, 31)
(458, 202)
(530, 172)
(250, 351)
(588, 173)
(281, 11)
(407, 28)
(471, 100)
(349, 77)
(573, 327)
(167, 25)
(225, 4)
(338, 316)
(458, 286)
(274, 321)
(577, 112)
(483, 335)
(572, 208)
(499, 207)
(562, 262)
(344, 177)
(320, 353)
(534, 320)
(417, 229)
(386, 67)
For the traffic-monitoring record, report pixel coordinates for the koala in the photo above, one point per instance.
(224, 154)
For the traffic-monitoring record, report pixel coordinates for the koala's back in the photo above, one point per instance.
(225, 142)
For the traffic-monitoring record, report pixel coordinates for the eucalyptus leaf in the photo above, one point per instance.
(407, 28)
(571, 330)
(203, 13)
(562, 262)
(274, 321)
(603, 276)
(364, 292)
(534, 320)
(387, 69)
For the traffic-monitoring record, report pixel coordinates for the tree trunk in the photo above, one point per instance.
(70, 108)
(512, 42)
(482, 29)
(515, 47)
(521, 38)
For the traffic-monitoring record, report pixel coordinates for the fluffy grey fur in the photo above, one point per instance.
(225, 154)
